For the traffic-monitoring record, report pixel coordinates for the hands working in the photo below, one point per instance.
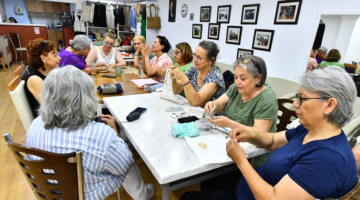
(109, 120)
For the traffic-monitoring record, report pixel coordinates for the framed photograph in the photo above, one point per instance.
(205, 12)
(233, 34)
(191, 16)
(223, 14)
(287, 12)
(263, 39)
(172, 10)
(214, 31)
(196, 31)
(250, 14)
(244, 52)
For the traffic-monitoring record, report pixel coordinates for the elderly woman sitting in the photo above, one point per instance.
(313, 161)
(66, 124)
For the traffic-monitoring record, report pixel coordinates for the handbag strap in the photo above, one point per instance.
(155, 9)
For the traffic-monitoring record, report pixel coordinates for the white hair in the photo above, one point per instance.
(80, 42)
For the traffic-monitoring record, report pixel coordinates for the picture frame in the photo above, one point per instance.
(196, 31)
(214, 31)
(223, 14)
(250, 14)
(243, 52)
(205, 13)
(233, 34)
(287, 12)
(191, 17)
(263, 39)
(172, 11)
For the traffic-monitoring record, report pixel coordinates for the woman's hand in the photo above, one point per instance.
(101, 64)
(235, 151)
(221, 121)
(209, 106)
(112, 65)
(109, 120)
(176, 74)
(241, 134)
(146, 51)
(162, 72)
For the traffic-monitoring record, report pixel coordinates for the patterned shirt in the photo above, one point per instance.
(311, 64)
(326, 64)
(213, 75)
(162, 62)
(106, 158)
(87, 13)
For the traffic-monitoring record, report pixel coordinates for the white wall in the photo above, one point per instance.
(353, 52)
(332, 27)
(291, 45)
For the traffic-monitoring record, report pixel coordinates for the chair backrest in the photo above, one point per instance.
(356, 79)
(54, 176)
(228, 78)
(223, 67)
(285, 115)
(349, 194)
(20, 101)
(18, 70)
(14, 39)
(282, 87)
(171, 55)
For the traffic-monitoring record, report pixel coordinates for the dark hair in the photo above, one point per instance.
(333, 56)
(33, 52)
(11, 18)
(186, 51)
(164, 41)
(211, 49)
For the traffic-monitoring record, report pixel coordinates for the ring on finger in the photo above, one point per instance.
(172, 74)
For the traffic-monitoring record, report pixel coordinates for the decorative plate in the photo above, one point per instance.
(184, 10)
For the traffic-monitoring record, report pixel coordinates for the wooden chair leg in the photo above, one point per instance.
(3, 63)
(119, 197)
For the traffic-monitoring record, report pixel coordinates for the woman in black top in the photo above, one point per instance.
(43, 58)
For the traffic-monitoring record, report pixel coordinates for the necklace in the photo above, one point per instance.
(237, 112)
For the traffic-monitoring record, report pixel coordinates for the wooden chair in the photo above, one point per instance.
(20, 101)
(23, 71)
(18, 70)
(285, 115)
(2, 61)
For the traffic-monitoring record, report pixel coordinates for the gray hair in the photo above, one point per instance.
(323, 49)
(333, 82)
(211, 48)
(68, 99)
(256, 67)
(80, 42)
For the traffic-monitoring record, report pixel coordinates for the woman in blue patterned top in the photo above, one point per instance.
(202, 82)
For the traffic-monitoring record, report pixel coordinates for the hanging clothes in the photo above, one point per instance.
(87, 13)
(143, 21)
(79, 26)
(110, 18)
(133, 19)
(100, 16)
(127, 17)
(120, 15)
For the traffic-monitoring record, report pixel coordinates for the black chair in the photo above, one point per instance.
(228, 78)
(285, 115)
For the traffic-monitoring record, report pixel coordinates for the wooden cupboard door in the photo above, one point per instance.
(30, 5)
(48, 7)
(39, 6)
(57, 8)
(65, 7)
(52, 37)
(60, 37)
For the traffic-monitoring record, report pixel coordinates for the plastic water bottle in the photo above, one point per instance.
(140, 70)
(93, 70)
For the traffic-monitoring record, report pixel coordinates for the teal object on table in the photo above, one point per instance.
(185, 129)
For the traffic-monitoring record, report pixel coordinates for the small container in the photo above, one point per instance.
(203, 124)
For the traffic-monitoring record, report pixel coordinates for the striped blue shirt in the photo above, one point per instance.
(106, 158)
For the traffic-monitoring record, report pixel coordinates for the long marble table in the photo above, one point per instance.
(170, 160)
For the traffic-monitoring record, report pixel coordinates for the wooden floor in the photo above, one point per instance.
(12, 182)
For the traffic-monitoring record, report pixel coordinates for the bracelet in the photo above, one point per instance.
(148, 61)
(186, 83)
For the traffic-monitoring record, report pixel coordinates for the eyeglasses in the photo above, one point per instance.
(301, 99)
(177, 52)
(198, 57)
(247, 60)
(108, 44)
(43, 43)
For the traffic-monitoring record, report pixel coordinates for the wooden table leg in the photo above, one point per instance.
(3, 63)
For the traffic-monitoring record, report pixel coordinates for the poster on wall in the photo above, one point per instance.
(244, 52)
(196, 31)
(287, 12)
(37, 30)
(214, 31)
(263, 39)
(223, 14)
(172, 10)
(205, 13)
(250, 14)
(233, 34)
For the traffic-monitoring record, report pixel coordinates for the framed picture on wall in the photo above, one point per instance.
(233, 34)
(244, 52)
(214, 31)
(205, 13)
(172, 10)
(263, 39)
(223, 14)
(196, 31)
(250, 14)
(287, 12)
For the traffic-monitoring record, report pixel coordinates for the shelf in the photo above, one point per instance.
(126, 31)
(101, 27)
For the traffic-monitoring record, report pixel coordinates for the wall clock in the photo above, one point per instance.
(184, 10)
(18, 9)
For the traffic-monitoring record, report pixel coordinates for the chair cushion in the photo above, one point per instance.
(21, 49)
(22, 105)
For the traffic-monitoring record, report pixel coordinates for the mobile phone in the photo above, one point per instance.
(109, 76)
(187, 119)
(139, 110)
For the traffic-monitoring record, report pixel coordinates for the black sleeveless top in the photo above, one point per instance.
(34, 104)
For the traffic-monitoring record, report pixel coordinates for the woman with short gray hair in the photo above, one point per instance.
(66, 124)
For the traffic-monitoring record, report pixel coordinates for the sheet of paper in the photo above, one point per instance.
(141, 82)
(212, 149)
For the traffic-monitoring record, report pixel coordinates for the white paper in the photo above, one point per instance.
(215, 151)
(141, 82)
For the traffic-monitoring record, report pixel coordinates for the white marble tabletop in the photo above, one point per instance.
(168, 158)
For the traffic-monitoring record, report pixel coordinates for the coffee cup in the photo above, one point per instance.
(118, 70)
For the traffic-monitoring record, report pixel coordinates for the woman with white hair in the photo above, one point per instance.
(312, 161)
(66, 124)
(74, 54)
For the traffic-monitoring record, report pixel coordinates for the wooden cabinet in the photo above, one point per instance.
(48, 7)
(5, 49)
(56, 36)
(57, 8)
(39, 6)
(30, 5)
(65, 7)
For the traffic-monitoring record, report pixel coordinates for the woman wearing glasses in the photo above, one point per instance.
(203, 82)
(106, 56)
(74, 54)
(312, 161)
(42, 59)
